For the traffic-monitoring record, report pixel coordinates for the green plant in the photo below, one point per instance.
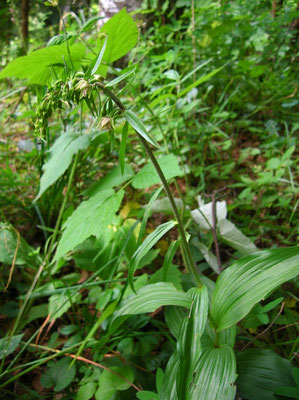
(201, 315)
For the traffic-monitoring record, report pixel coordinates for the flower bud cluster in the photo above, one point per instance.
(62, 94)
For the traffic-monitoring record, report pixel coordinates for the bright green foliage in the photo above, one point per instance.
(9, 345)
(147, 176)
(189, 346)
(151, 297)
(122, 34)
(92, 217)
(61, 154)
(86, 391)
(39, 66)
(250, 280)
(110, 383)
(112, 179)
(139, 127)
(215, 376)
(260, 372)
(59, 375)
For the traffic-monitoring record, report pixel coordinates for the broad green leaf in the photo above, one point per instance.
(139, 127)
(146, 245)
(60, 375)
(174, 317)
(199, 81)
(114, 178)
(60, 303)
(148, 176)
(110, 383)
(14, 248)
(91, 218)
(122, 34)
(215, 375)
(249, 280)
(86, 391)
(151, 297)
(8, 346)
(61, 154)
(189, 342)
(168, 390)
(260, 372)
(231, 235)
(37, 67)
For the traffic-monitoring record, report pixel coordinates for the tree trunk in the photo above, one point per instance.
(25, 8)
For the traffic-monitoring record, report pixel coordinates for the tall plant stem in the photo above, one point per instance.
(186, 249)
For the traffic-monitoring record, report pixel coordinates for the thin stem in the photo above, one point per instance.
(186, 249)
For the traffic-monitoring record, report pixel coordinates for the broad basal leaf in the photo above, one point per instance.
(148, 176)
(151, 297)
(61, 155)
(250, 280)
(91, 218)
(215, 375)
(260, 372)
(38, 67)
(189, 342)
(61, 302)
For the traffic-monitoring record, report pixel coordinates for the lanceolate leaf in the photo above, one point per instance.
(139, 127)
(148, 176)
(215, 376)
(92, 217)
(146, 245)
(151, 297)
(250, 280)
(61, 155)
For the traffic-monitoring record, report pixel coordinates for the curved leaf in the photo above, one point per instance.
(250, 280)
(151, 297)
(139, 127)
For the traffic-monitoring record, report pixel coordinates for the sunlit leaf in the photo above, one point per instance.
(250, 280)
(139, 127)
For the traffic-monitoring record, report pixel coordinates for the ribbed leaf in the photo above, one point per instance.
(215, 375)
(151, 297)
(189, 343)
(169, 385)
(139, 127)
(260, 372)
(250, 280)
